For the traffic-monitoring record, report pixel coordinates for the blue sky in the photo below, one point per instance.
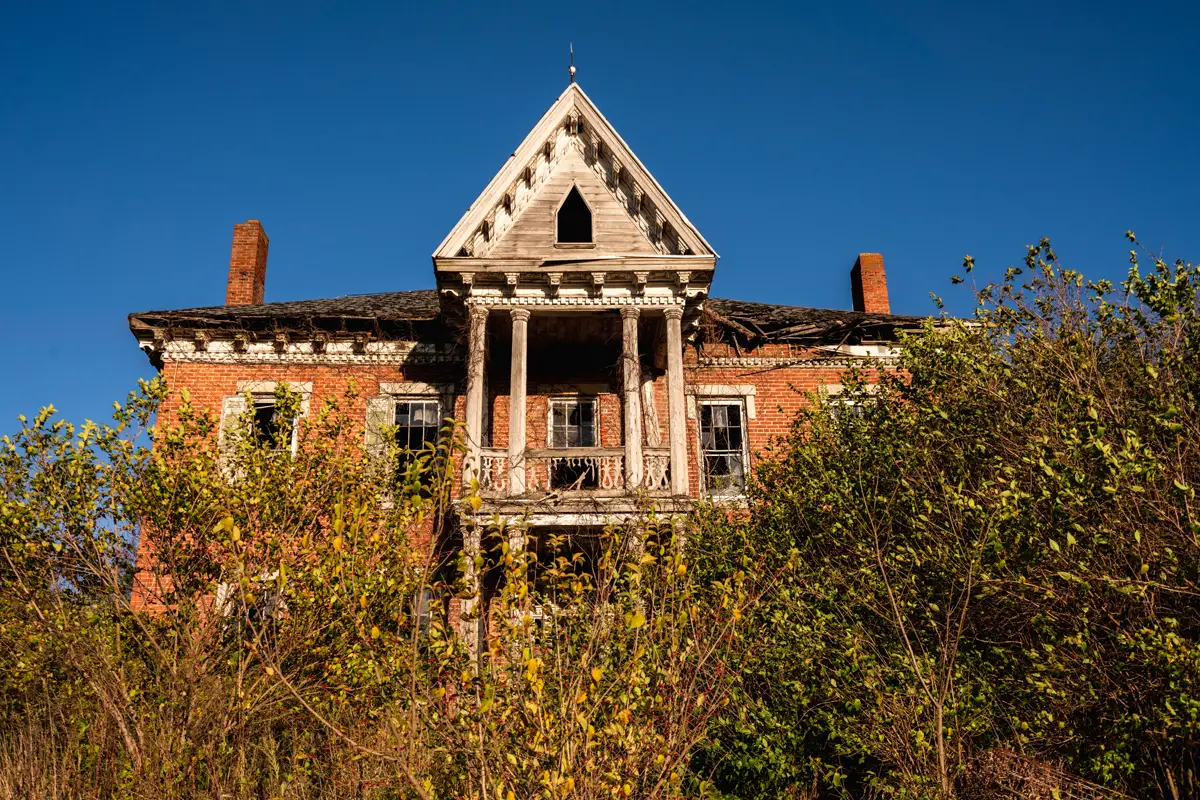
(133, 137)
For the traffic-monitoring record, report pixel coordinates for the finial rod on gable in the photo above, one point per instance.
(571, 69)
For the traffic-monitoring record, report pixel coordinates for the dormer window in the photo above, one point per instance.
(574, 220)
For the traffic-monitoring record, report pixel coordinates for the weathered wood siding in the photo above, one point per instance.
(533, 233)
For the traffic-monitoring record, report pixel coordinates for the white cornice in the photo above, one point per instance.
(333, 353)
(799, 363)
(571, 303)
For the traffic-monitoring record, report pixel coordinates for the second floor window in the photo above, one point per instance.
(417, 424)
(573, 425)
(265, 425)
(723, 442)
(573, 422)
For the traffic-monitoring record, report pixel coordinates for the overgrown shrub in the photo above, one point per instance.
(996, 549)
(976, 579)
(303, 640)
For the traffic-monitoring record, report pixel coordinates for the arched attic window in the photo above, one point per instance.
(574, 219)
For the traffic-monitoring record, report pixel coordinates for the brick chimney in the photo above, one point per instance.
(247, 264)
(868, 282)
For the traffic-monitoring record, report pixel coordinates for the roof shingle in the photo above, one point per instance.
(768, 320)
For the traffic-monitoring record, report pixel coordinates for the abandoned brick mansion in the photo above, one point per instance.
(570, 329)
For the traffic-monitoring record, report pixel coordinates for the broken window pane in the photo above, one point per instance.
(417, 425)
(573, 425)
(722, 438)
(265, 427)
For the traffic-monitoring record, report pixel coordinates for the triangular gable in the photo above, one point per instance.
(573, 143)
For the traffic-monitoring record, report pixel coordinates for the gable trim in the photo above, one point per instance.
(571, 105)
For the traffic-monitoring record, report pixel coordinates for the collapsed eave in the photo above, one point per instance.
(757, 323)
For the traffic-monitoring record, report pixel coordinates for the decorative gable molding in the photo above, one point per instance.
(573, 123)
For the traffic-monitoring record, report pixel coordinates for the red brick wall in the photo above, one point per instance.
(210, 384)
(779, 394)
(537, 417)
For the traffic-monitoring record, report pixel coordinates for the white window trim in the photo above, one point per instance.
(727, 399)
(444, 393)
(268, 387)
(259, 389)
(832, 393)
(417, 389)
(746, 392)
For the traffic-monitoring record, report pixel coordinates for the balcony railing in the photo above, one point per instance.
(656, 469)
(493, 471)
(598, 470)
(594, 469)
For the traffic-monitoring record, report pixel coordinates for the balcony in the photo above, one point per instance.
(584, 369)
(594, 471)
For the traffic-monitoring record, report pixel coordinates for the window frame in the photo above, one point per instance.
(579, 399)
(840, 402)
(263, 400)
(252, 393)
(443, 394)
(739, 402)
(397, 399)
(586, 477)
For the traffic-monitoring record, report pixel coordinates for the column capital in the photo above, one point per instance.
(674, 312)
(478, 313)
(630, 312)
(519, 314)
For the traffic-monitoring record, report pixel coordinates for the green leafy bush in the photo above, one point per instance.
(998, 553)
(300, 641)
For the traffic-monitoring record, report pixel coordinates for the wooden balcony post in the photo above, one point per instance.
(676, 412)
(476, 355)
(631, 380)
(516, 401)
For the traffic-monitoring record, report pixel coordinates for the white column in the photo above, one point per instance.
(476, 355)
(631, 384)
(516, 401)
(676, 411)
(471, 622)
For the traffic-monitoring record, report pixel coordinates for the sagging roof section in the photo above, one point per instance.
(769, 322)
(418, 306)
(754, 321)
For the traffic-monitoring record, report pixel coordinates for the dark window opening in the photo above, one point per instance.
(266, 423)
(417, 424)
(722, 438)
(564, 566)
(574, 220)
(573, 425)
